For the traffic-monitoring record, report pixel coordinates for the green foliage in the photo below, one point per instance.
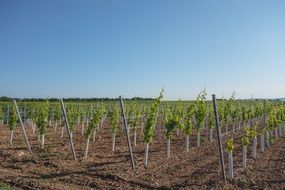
(258, 110)
(200, 109)
(78, 113)
(268, 107)
(278, 116)
(12, 124)
(170, 125)
(4, 186)
(282, 113)
(50, 113)
(71, 117)
(188, 120)
(134, 115)
(179, 116)
(272, 121)
(228, 108)
(137, 119)
(176, 120)
(244, 113)
(57, 113)
(236, 113)
(42, 116)
(151, 119)
(114, 119)
(32, 115)
(211, 119)
(250, 112)
(230, 145)
(221, 105)
(245, 136)
(2, 115)
(96, 118)
(131, 114)
(253, 131)
(29, 113)
(166, 114)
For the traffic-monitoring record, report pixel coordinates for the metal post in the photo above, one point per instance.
(219, 137)
(23, 128)
(126, 130)
(67, 127)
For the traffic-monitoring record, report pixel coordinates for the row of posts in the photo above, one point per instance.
(127, 133)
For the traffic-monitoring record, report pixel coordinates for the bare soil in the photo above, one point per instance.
(54, 168)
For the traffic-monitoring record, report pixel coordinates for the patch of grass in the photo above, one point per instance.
(4, 186)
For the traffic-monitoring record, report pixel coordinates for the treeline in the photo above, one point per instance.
(9, 99)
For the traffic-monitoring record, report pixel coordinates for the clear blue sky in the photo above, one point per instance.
(132, 48)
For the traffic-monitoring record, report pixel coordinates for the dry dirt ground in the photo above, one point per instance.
(54, 168)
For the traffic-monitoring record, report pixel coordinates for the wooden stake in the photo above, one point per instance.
(23, 128)
(219, 137)
(126, 131)
(68, 130)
